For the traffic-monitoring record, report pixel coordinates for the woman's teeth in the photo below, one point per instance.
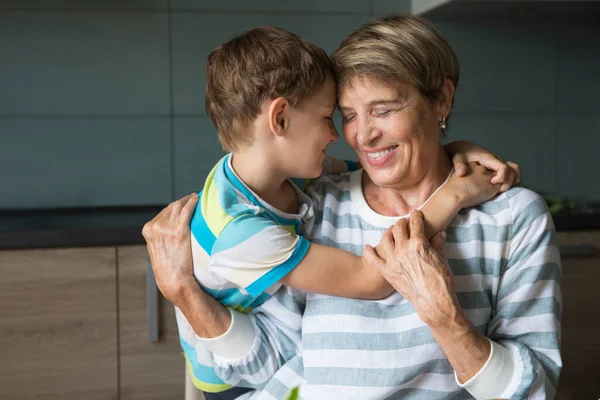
(380, 154)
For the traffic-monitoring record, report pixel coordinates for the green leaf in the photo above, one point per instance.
(293, 394)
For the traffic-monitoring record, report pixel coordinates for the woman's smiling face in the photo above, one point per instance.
(394, 131)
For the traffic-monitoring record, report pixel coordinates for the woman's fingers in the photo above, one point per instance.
(174, 209)
(387, 243)
(400, 231)
(438, 242)
(417, 227)
(188, 210)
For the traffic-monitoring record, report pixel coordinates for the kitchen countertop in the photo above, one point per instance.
(80, 227)
(110, 226)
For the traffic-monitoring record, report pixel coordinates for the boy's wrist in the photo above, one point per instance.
(453, 197)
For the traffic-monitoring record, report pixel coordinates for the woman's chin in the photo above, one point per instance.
(384, 176)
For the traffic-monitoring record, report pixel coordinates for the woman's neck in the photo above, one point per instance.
(405, 197)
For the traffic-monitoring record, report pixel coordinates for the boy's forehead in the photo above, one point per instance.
(328, 94)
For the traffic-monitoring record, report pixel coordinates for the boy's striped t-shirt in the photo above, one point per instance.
(241, 248)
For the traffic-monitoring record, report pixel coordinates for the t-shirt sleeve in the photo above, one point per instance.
(254, 252)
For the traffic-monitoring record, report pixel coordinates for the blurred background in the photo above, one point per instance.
(102, 123)
(102, 102)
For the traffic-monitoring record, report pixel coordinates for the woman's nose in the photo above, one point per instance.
(366, 132)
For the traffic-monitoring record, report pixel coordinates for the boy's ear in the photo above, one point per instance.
(279, 116)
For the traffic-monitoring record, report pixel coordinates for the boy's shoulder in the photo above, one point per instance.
(222, 199)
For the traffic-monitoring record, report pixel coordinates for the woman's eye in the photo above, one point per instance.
(347, 118)
(382, 113)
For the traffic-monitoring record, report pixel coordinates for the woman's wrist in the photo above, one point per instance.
(467, 349)
(444, 315)
(207, 317)
(182, 292)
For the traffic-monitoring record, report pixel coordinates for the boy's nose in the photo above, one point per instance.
(334, 135)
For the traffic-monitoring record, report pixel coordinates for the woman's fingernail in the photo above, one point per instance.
(443, 235)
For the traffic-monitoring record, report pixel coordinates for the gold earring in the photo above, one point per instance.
(443, 123)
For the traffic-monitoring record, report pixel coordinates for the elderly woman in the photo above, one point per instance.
(477, 317)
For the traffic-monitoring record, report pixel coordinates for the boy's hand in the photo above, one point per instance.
(506, 173)
(378, 252)
(475, 187)
(335, 166)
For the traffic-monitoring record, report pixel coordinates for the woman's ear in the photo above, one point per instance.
(279, 116)
(445, 103)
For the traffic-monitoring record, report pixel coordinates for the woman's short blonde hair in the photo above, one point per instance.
(401, 48)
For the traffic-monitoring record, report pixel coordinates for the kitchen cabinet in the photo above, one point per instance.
(580, 376)
(58, 331)
(152, 366)
(74, 325)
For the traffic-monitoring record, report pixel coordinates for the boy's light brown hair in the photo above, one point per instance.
(261, 64)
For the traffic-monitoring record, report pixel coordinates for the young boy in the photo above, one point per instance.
(271, 96)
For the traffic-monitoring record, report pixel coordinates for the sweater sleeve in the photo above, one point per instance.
(527, 317)
(260, 343)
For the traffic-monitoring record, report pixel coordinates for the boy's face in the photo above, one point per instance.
(310, 131)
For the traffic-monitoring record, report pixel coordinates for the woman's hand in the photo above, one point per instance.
(168, 240)
(418, 270)
(508, 173)
(474, 187)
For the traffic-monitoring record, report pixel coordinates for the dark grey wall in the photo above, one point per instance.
(101, 102)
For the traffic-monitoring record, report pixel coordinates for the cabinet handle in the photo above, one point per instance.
(576, 250)
(152, 316)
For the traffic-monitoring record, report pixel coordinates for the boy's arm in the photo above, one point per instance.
(335, 272)
(293, 261)
(255, 253)
(459, 192)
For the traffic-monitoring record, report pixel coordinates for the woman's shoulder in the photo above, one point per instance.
(505, 209)
(331, 185)
(524, 202)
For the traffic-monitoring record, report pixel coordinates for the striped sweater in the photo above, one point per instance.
(507, 273)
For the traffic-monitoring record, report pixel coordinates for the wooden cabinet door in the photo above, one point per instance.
(580, 376)
(58, 324)
(149, 369)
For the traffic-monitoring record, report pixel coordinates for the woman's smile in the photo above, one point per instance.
(380, 157)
